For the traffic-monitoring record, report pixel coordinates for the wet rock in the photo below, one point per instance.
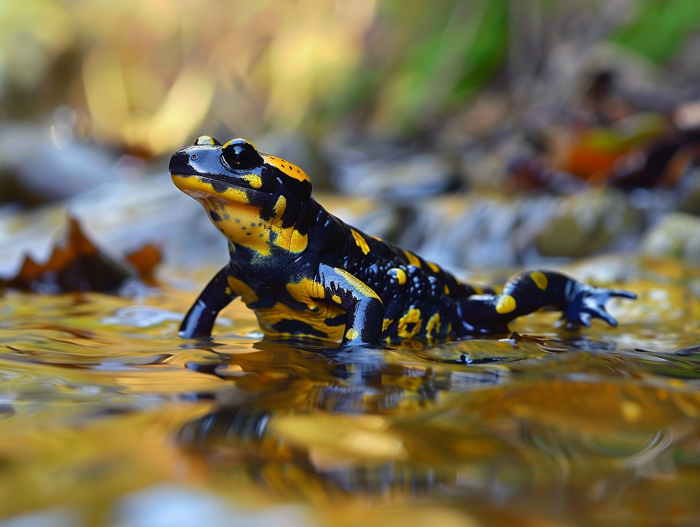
(45, 163)
(607, 269)
(487, 231)
(395, 173)
(676, 235)
(127, 215)
(586, 223)
(467, 231)
(688, 192)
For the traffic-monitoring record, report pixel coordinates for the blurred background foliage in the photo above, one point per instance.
(148, 75)
(478, 105)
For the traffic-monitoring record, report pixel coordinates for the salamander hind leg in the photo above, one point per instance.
(530, 291)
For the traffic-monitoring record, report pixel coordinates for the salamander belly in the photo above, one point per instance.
(282, 320)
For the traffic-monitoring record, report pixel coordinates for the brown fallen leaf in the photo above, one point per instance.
(79, 265)
(145, 261)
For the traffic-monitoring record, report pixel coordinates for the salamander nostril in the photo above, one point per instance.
(180, 163)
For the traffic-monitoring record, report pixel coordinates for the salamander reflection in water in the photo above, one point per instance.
(306, 273)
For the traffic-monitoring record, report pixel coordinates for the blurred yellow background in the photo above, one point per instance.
(148, 74)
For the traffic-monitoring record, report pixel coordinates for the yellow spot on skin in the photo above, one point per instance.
(231, 203)
(360, 241)
(386, 323)
(449, 329)
(268, 317)
(400, 275)
(286, 167)
(306, 291)
(312, 294)
(539, 279)
(243, 290)
(352, 334)
(412, 259)
(288, 238)
(411, 317)
(357, 284)
(433, 267)
(249, 230)
(204, 140)
(298, 242)
(280, 206)
(253, 180)
(446, 289)
(336, 299)
(478, 290)
(506, 304)
(433, 325)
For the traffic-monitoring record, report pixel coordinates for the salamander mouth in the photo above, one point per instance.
(202, 187)
(211, 178)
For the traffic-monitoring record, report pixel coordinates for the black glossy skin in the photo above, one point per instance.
(306, 273)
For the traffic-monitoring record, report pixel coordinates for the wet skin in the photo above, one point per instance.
(305, 273)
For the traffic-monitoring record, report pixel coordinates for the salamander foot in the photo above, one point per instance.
(589, 302)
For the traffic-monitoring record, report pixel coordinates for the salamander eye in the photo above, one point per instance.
(240, 154)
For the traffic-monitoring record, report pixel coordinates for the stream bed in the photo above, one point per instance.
(107, 417)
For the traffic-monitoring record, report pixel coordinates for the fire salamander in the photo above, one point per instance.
(305, 273)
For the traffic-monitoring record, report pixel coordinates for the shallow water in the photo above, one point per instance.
(108, 418)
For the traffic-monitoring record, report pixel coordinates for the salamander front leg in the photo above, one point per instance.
(364, 309)
(528, 292)
(199, 320)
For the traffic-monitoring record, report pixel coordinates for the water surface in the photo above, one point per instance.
(108, 418)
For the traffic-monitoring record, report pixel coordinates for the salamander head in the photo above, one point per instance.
(254, 199)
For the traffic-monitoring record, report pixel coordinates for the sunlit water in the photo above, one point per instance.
(108, 418)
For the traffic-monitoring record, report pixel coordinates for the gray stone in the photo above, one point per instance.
(676, 235)
(587, 223)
